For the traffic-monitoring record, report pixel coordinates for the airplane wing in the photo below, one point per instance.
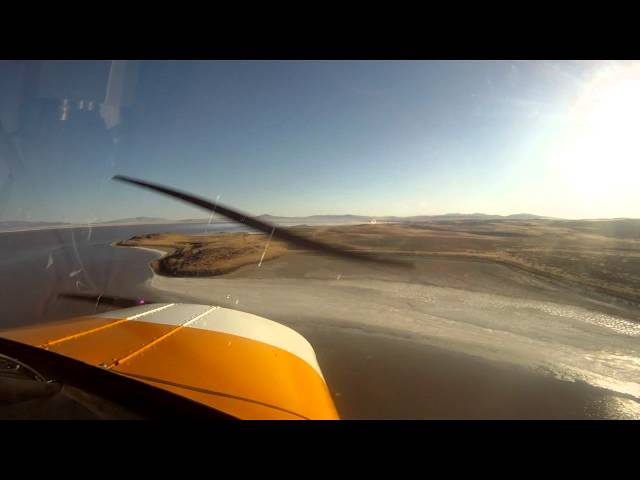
(241, 364)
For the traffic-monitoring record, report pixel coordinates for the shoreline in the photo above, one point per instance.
(161, 253)
(593, 292)
(158, 251)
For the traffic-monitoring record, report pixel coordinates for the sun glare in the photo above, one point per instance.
(598, 150)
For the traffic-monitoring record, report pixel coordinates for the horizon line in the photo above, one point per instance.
(371, 217)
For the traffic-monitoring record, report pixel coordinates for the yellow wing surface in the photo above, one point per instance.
(236, 362)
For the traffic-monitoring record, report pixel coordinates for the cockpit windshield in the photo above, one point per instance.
(455, 239)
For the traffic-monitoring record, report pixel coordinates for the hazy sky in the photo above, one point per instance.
(372, 138)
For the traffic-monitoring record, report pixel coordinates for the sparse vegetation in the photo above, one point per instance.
(197, 256)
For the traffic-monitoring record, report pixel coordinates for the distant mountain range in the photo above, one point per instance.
(312, 219)
(13, 225)
(415, 218)
(138, 220)
(19, 225)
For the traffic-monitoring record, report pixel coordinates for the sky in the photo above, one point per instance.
(295, 138)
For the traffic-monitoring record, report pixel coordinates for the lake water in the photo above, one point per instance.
(36, 265)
